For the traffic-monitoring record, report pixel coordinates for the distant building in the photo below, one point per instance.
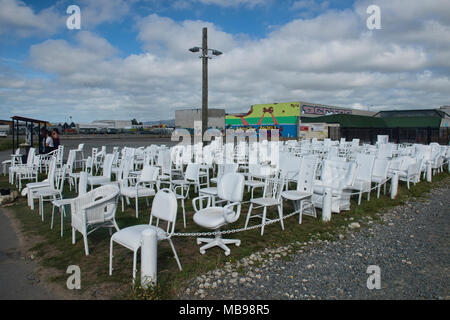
(284, 116)
(115, 124)
(185, 118)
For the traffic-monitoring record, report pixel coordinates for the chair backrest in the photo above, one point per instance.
(307, 174)
(88, 166)
(70, 160)
(365, 166)
(231, 187)
(82, 185)
(164, 207)
(106, 198)
(338, 173)
(107, 166)
(290, 165)
(30, 156)
(273, 186)
(192, 171)
(380, 168)
(80, 147)
(149, 174)
(225, 168)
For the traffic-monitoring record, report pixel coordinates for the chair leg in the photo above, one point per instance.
(300, 213)
(184, 213)
(137, 214)
(73, 235)
(280, 214)
(111, 244)
(62, 212)
(134, 265)
(86, 248)
(248, 214)
(359, 197)
(263, 220)
(53, 214)
(175, 255)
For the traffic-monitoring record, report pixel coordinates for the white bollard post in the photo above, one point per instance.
(149, 257)
(394, 185)
(326, 205)
(429, 172)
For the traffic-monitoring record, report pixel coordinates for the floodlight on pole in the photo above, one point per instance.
(205, 58)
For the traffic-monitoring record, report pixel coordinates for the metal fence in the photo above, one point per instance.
(397, 135)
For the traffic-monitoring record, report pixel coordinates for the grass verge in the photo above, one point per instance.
(55, 254)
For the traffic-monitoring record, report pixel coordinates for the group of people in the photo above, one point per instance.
(50, 140)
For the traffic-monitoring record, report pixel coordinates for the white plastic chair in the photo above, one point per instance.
(231, 189)
(380, 174)
(302, 196)
(145, 186)
(106, 176)
(363, 181)
(94, 209)
(164, 207)
(61, 203)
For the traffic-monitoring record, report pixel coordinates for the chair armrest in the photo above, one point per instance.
(199, 199)
(226, 209)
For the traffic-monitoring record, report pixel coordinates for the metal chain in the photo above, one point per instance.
(214, 233)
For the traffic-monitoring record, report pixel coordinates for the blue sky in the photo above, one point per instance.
(130, 58)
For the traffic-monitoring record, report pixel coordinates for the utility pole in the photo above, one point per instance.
(205, 58)
(204, 81)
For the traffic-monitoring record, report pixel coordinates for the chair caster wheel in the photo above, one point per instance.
(227, 253)
(202, 251)
(198, 241)
(238, 244)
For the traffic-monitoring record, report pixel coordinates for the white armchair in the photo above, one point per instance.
(94, 210)
(231, 189)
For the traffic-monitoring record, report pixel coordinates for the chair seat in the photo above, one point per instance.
(93, 180)
(40, 184)
(61, 202)
(361, 185)
(213, 180)
(211, 218)
(266, 202)
(254, 183)
(180, 182)
(295, 195)
(131, 237)
(378, 179)
(47, 192)
(130, 192)
(211, 191)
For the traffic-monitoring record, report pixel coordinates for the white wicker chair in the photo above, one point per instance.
(94, 209)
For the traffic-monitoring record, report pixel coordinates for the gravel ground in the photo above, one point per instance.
(410, 245)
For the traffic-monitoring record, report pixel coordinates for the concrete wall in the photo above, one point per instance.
(186, 118)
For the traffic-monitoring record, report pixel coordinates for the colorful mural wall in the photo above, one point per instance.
(282, 116)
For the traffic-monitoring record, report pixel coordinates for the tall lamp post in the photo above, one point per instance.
(205, 58)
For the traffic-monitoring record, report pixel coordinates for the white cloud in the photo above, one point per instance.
(331, 58)
(16, 18)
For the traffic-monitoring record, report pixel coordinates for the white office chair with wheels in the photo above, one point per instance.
(231, 189)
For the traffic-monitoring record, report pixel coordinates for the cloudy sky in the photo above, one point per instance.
(130, 58)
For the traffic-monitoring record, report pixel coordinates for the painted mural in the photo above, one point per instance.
(281, 116)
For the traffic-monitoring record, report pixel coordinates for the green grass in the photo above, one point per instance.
(56, 253)
(6, 143)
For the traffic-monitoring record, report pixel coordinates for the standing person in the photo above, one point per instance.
(48, 142)
(55, 136)
(44, 138)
